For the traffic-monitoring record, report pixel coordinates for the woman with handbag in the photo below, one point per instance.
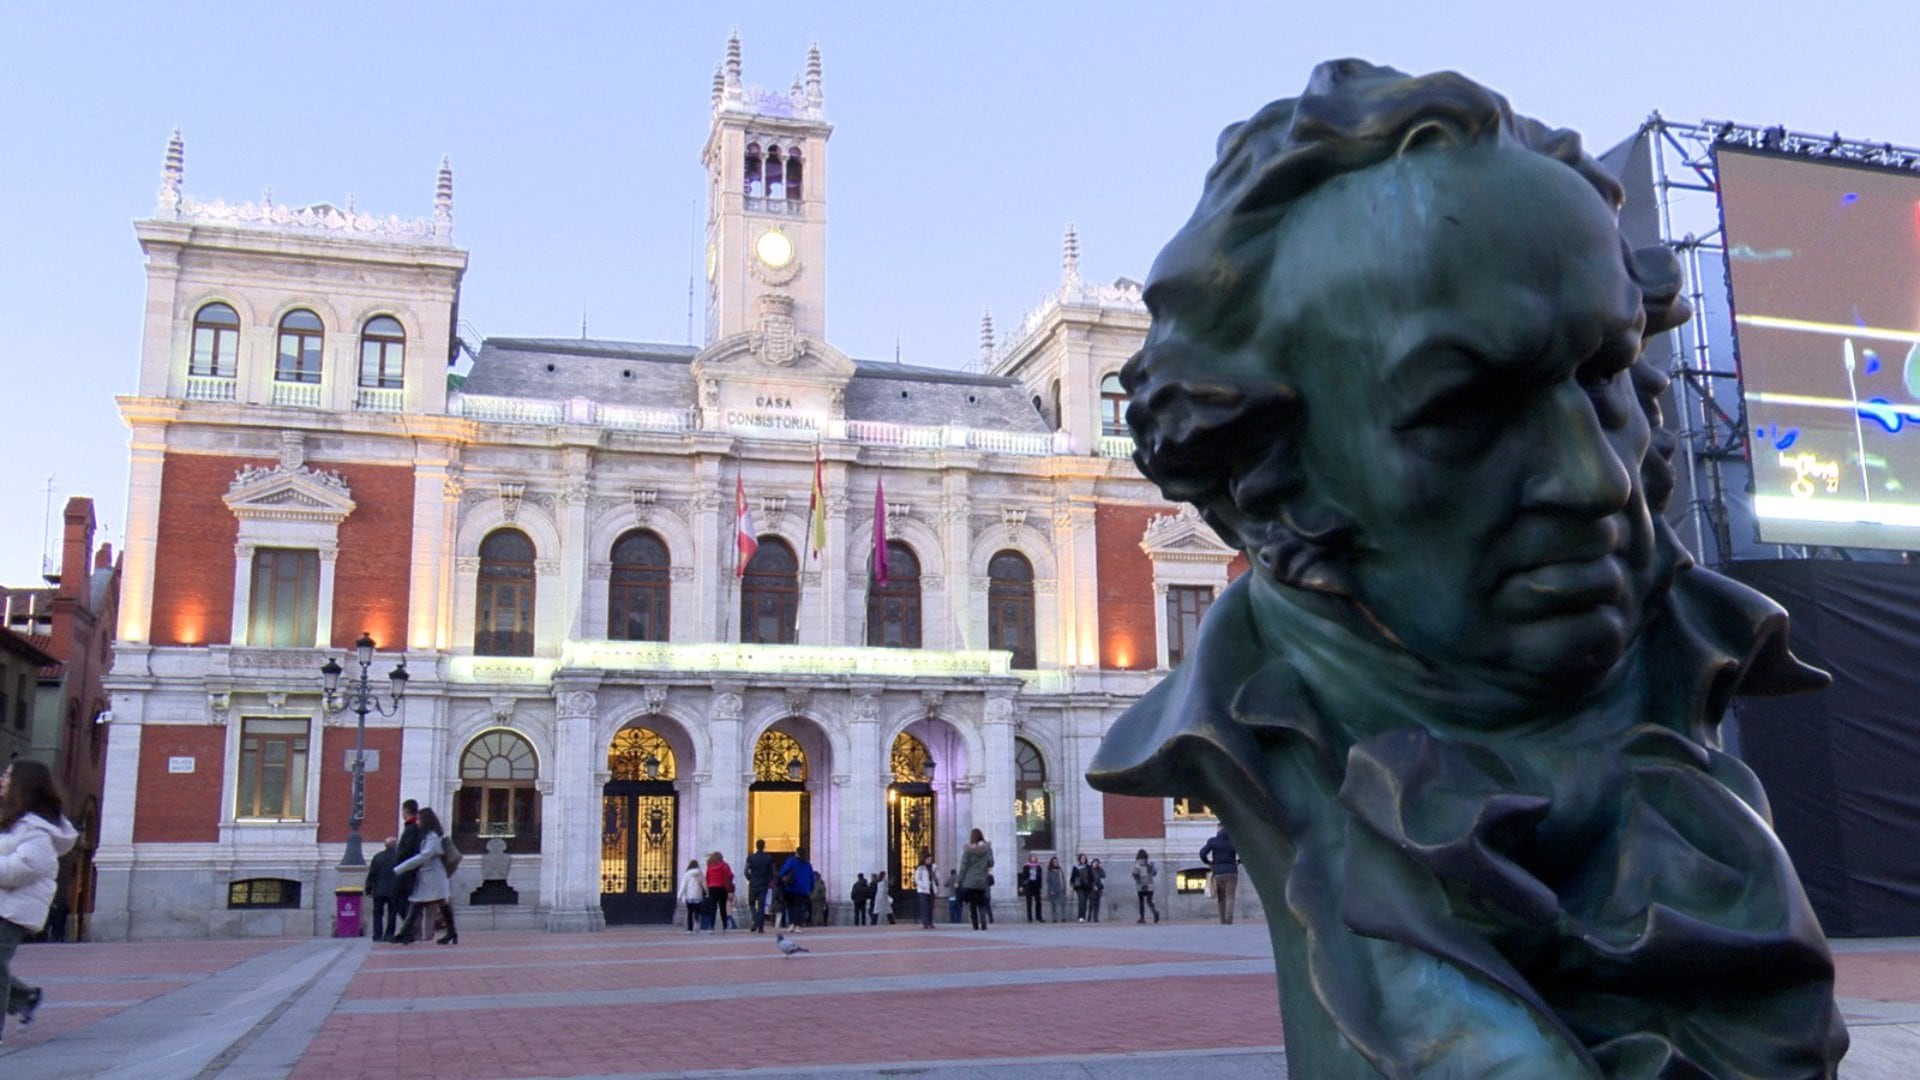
(976, 865)
(430, 885)
(1144, 875)
(33, 836)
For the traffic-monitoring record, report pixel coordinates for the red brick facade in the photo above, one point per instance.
(336, 786)
(180, 807)
(1125, 591)
(1130, 818)
(193, 558)
(372, 578)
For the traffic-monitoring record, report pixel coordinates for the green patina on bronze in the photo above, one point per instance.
(1461, 718)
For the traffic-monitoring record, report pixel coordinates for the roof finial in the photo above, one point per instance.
(986, 339)
(813, 73)
(733, 59)
(443, 200)
(1070, 257)
(171, 175)
(719, 87)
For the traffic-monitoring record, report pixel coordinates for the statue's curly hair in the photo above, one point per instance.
(1213, 412)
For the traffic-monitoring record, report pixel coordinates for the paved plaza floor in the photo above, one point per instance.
(1028, 1002)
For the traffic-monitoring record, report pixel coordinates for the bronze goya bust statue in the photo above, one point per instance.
(1461, 715)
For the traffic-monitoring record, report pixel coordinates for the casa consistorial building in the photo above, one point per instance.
(653, 600)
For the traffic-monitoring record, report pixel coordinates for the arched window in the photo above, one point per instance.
(216, 342)
(793, 175)
(638, 589)
(301, 336)
(1113, 406)
(770, 595)
(1054, 417)
(893, 609)
(776, 181)
(498, 795)
(383, 354)
(1032, 808)
(638, 753)
(753, 171)
(1010, 607)
(503, 615)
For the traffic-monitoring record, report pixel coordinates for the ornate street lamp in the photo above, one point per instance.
(360, 698)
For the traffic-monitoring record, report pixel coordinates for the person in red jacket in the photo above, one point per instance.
(719, 887)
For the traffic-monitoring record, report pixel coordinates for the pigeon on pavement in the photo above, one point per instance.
(787, 945)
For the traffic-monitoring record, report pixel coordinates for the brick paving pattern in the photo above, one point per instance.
(1037, 1002)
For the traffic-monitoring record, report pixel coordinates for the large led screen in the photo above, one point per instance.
(1824, 262)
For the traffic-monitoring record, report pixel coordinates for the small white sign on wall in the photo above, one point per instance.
(373, 760)
(180, 764)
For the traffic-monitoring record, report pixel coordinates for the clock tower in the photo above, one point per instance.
(766, 159)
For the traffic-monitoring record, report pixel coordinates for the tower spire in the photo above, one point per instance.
(1070, 258)
(814, 94)
(443, 200)
(171, 175)
(986, 339)
(719, 87)
(732, 65)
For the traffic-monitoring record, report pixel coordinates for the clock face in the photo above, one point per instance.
(774, 248)
(713, 261)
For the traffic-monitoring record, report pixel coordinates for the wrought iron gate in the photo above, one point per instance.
(639, 851)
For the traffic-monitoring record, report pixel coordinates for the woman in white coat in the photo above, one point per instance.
(33, 836)
(430, 886)
(693, 891)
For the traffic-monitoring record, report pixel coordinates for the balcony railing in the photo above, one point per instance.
(507, 409)
(1116, 446)
(298, 395)
(210, 388)
(373, 399)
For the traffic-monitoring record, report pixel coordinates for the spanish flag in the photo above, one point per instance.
(817, 506)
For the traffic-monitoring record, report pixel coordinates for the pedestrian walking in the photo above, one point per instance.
(1144, 876)
(692, 892)
(926, 881)
(953, 896)
(1224, 862)
(1056, 891)
(431, 889)
(1080, 886)
(818, 913)
(34, 833)
(380, 884)
(881, 896)
(1096, 888)
(759, 874)
(862, 897)
(796, 887)
(408, 847)
(719, 888)
(1033, 883)
(976, 877)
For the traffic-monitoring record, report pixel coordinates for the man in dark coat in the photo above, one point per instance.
(380, 884)
(409, 846)
(1220, 858)
(759, 873)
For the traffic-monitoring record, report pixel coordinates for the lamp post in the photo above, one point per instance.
(360, 698)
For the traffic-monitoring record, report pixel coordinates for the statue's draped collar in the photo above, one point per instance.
(1594, 863)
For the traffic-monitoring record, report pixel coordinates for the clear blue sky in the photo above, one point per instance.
(967, 136)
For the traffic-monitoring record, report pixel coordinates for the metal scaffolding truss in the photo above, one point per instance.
(1711, 421)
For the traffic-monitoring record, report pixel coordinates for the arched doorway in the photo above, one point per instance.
(910, 815)
(778, 809)
(639, 831)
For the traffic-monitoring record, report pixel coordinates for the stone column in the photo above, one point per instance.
(722, 794)
(993, 789)
(149, 455)
(865, 810)
(572, 520)
(119, 788)
(956, 536)
(437, 487)
(710, 544)
(570, 821)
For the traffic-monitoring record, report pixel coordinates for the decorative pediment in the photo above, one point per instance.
(762, 383)
(289, 493)
(1184, 535)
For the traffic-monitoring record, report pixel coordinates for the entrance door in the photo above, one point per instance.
(639, 851)
(909, 832)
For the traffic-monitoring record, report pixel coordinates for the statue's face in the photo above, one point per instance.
(1462, 338)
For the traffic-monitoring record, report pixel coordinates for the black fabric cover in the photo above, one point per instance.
(1842, 767)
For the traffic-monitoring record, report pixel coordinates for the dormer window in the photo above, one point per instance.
(301, 336)
(383, 348)
(216, 342)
